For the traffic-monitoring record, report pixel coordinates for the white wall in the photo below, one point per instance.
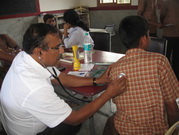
(51, 5)
(89, 3)
(67, 4)
(15, 27)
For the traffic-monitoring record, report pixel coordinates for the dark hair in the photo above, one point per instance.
(47, 16)
(131, 29)
(35, 35)
(72, 17)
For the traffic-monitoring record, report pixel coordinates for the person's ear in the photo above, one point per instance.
(38, 51)
(142, 42)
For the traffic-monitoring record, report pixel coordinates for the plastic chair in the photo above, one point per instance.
(102, 40)
(173, 130)
(111, 29)
(158, 45)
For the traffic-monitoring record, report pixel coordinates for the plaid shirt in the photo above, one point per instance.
(151, 82)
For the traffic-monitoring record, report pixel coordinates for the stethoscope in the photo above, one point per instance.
(58, 80)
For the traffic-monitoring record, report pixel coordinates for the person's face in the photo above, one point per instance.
(50, 56)
(51, 21)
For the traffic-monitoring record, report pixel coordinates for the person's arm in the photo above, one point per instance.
(172, 112)
(66, 27)
(82, 81)
(141, 7)
(156, 24)
(163, 11)
(6, 56)
(10, 42)
(170, 90)
(115, 88)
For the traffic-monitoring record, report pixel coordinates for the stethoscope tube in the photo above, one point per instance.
(58, 80)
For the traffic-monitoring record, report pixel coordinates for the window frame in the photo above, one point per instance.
(113, 4)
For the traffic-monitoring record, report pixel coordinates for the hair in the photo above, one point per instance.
(47, 16)
(35, 36)
(72, 17)
(131, 29)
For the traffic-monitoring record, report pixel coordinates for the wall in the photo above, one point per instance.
(16, 27)
(57, 4)
(89, 3)
(104, 17)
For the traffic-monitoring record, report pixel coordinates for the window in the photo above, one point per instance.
(113, 2)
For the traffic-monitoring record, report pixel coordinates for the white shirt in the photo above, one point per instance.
(28, 101)
(76, 37)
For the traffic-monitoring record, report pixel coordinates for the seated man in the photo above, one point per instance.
(8, 49)
(152, 87)
(50, 19)
(32, 106)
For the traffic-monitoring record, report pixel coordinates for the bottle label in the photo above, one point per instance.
(87, 47)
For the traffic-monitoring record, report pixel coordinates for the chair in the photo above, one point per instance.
(102, 40)
(173, 130)
(158, 45)
(111, 29)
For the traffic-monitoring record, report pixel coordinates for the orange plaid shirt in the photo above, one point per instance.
(151, 82)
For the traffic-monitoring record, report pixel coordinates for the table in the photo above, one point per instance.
(97, 30)
(98, 57)
(91, 91)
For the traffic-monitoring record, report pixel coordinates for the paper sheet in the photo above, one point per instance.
(86, 67)
(77, 73)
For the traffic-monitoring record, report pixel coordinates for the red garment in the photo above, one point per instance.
(169, 15)
(147, 9)
(151, 82)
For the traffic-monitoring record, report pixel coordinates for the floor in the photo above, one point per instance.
(99, 118)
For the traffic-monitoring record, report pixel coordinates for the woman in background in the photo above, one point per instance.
(74, 29)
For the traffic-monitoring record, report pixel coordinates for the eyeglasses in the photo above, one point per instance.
(54, 48)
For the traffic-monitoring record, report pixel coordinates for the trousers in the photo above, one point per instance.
(109, 128)
(173, 53)
(61, 129)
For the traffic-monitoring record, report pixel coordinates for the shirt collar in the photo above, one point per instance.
(25, 62)
(134, 51)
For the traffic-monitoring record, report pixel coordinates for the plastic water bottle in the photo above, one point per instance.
(87, 49)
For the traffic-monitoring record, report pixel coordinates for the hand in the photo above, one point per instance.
(66, 26)
(116, 87)
(61, 50)
(105, 76)
(162, 26)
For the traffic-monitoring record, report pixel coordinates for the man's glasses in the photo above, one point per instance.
(54, 48)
